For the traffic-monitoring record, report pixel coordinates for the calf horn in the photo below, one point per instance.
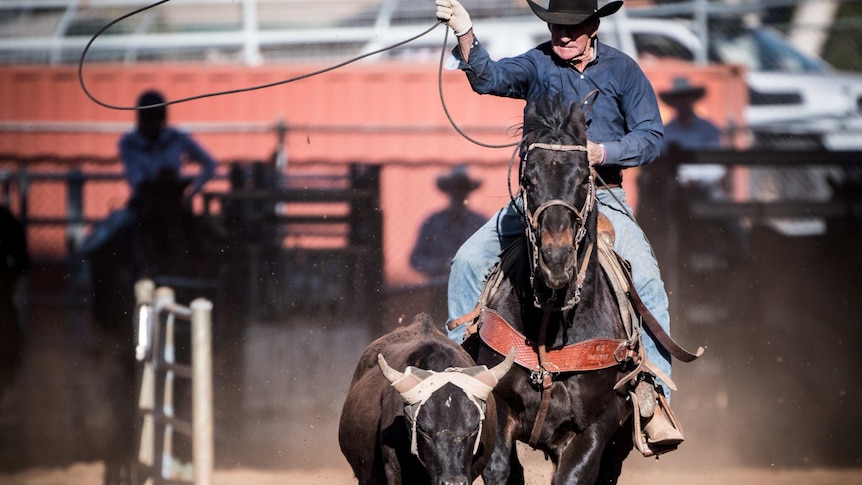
(487, 377)
(402, 382)
(391, 374)
(494, 374)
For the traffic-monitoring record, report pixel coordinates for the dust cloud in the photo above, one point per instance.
(774, 399)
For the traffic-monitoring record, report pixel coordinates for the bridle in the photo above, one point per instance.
(531, 218)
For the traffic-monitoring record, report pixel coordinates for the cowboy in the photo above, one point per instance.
(688, 131)
(625, 130)
(152, 155)
(443, 232)
(154, 148)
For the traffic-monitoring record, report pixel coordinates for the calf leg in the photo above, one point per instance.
(516, 470)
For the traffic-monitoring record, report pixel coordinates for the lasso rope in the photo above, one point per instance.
(272, 84)
(446, 110)
(216, 93)
(305, 76)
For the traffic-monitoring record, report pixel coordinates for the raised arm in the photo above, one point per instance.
(453, 14)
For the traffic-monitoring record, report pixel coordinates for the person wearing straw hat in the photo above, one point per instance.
(625, 130)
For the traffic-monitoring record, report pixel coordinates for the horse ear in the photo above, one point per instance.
(577, 120)
(576, 114)
(531, 116)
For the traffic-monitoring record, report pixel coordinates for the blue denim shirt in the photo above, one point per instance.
(143, 158)
(624, 116)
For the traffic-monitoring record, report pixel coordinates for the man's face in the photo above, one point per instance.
(571, 41)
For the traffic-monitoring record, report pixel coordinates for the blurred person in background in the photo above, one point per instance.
(153, 148)
(153, 156)
(688, 131)
(443, 232)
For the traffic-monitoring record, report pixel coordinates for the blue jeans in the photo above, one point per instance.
(480, 253)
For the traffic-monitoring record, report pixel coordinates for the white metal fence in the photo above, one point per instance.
(156, 319)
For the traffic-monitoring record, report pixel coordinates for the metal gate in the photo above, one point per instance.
(157, 318)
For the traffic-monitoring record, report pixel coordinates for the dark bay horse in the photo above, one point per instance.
(553, 295)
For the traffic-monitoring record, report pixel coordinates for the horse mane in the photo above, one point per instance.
(553, 118)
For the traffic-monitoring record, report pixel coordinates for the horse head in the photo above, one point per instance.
(558, 189)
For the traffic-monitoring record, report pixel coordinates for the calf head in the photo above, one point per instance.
(445, 412)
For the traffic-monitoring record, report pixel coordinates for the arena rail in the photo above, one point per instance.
(156, 319)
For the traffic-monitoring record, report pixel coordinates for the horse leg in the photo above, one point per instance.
(580, 459)
(516, 470)
(503, 468)
(616, 451)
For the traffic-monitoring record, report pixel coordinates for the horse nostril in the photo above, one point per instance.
(557, 254)
(454, 480)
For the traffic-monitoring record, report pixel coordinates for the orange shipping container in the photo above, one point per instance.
(386, 113)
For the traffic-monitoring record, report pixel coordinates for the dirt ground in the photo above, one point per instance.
(774, 401)
(644, 473)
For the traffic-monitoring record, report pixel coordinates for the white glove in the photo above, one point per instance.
(452, 13)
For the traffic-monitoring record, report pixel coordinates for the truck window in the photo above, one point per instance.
(661, 46)
(760, 49)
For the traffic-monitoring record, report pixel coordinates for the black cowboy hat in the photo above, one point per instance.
(149, 98)
(151, 120)
(457, 181)
(572, 12)
(682, 90)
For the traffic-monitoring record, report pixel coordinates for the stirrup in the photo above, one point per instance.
(664, 416)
